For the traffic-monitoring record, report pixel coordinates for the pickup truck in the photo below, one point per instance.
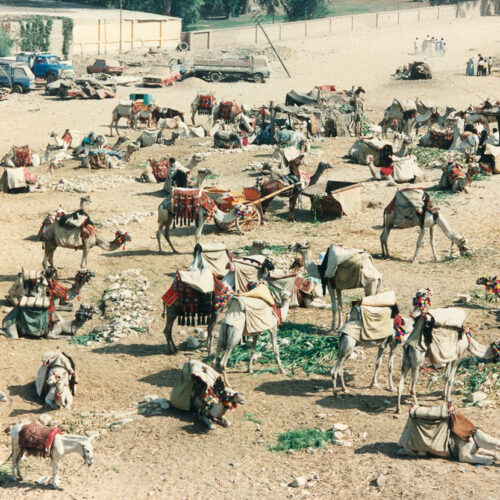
(254, 68)
(109, 66)
(16, 76)
(46, 66)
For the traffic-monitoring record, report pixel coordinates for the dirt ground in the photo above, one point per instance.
(171, 457)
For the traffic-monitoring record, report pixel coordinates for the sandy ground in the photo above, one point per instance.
(169, 456)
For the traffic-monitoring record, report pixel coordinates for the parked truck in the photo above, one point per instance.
(254, 68)
(16, 76)
(46, 66)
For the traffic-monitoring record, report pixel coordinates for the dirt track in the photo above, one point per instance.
(169, 456)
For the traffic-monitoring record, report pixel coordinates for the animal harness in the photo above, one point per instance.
(38, 437)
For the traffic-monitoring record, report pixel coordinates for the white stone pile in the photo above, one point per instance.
(153, 405)
(90, 184)
(127, 306)
(124, 219)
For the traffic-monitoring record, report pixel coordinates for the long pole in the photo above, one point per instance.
(121, 26)
(258, 23)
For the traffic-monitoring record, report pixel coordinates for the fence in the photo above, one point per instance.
(211, 39)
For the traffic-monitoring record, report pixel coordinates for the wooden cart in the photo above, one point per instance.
(250, 197)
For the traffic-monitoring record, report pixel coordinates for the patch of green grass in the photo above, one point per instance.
(300, 439)
(475, 373)
(84, 339)
(252, 418)
(307, 350)
(276, 249)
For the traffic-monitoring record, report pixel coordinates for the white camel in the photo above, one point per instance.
(371, 279)
(347, 344)
(206, 109)
(231, 335)
(402, 213)
(62, 445)
(59, 394)
(404, 113)
(166, 216)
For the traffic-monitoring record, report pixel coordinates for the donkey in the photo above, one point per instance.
(61, 445)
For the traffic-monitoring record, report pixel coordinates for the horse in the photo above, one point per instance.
(165, 113)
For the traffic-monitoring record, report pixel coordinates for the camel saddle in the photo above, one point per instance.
(79, 218)
(461, 426)
(37, 437)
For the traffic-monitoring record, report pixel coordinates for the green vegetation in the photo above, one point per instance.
(35, 33)
(67, 24)
(307, 350)
(478, 375)
(5, 43)
(301, 439)
(252, 418)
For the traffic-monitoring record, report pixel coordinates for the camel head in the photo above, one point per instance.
(85, 313)
(484, 280)
(421, 302)
(83, 276)
(463, 246)
(258, 246)
(122, 237)
(231, 399)
(324, 165)
(298, 247)
(204, 172)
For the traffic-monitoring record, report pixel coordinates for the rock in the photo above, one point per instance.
(310, 450)
(380, 481)
(284, 342)
(203, 335)
(3, 397)
(463, 298)
(123, 421)
(343, 442)
(321, 415)
(363, 435)
(192, 343)
(477, 396)
(339, 427)
(485, 403)
(45, 419)
(290, 452)
(298, 482)
(337, 435)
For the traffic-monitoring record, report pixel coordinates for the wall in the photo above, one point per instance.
(102, 36)
(331, 26)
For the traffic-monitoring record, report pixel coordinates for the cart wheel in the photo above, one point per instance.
(251, 221)
(225, 227)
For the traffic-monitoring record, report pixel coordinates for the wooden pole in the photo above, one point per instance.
(256, 20)
(273, 124)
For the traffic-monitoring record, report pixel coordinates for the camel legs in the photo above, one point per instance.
(419, 243)
(292, 203)
(378, 362)
(223, 363)
(48, 257)
(468, 451)
(433, 243)
(85, 254)
(383, 240)
(252, 355)
(274, 331)
(166, 232)
(201, 223)
(17, 455)
(451, 370)
(210, 330)
(171, 315)
(345, 350)
(390, 366)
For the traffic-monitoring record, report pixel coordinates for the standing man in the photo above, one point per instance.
(479, 64)
(490, 63)
(458, 130)
(416, 46)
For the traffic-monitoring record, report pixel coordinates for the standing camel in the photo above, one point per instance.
(349, 340)
(56, 235)
(292, 194)
(412, 207)
(166, 216)
(404, 113)
(361, 273)
(203, 105)
(235, 324)
(451, 345)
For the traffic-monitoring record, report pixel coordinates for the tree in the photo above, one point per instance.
(5, 43)
(304, 9)
(188, 10)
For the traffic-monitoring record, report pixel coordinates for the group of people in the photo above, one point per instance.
(430, 46)
(483, 67)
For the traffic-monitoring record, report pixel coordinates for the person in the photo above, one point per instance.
(433, 47)
(441, 46)
(416, 45)
(479, 64)
(470, 67)
(458, 130)
(490, 64)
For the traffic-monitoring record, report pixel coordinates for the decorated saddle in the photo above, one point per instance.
(38, 438)
(160, 169)
(79, 219)
(22, 156)
(206, 104)
(452, 171)
(198, 295)
(186, 204)
(441, 139)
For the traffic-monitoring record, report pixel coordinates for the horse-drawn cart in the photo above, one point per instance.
(249, 221)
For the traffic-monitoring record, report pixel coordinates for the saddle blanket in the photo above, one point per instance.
(38, 437)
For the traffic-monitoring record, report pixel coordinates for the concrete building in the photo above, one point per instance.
(97, 31)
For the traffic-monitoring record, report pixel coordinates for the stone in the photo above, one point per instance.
(477, 396)
(363, 435)
(339, 427)
(123, 421)
(463, 298)
(192, 343)
(3, 397)
(321, 415)
(343, 442)
(380, 481)
(45, 419)
(337, 435)
(310, 450)
(485, 403)
(298, 482)
(284, 342)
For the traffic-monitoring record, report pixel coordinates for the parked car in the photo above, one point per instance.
(109, 66)
(161, 76)
(16, 76)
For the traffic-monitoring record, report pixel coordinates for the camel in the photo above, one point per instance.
(420, 342)
(12, 327)
(54, 235)
(444, 432)
(227, 111)
(403, 170)
(202, 104)
(273, 185)
(381, 152)
(457, 177)
(125, 109)
(402, 212)
(230, 335)
(371, 279)
(61, 445)
(166, 217)
(159, 113)
(404, 113)
(347, 344)
(181, 175)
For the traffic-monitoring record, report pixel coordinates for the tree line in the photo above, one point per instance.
(191, 10)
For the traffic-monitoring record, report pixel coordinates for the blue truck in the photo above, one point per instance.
(16, 76)
(46, 66)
